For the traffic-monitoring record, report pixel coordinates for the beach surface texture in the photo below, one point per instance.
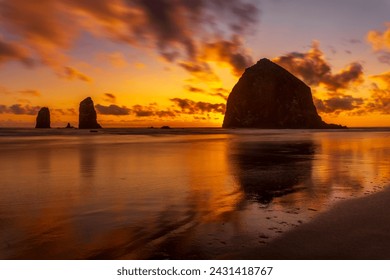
(354, 229)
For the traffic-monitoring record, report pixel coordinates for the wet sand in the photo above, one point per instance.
(354, 229)
(181, 193)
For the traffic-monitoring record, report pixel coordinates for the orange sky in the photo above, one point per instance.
(162, 62)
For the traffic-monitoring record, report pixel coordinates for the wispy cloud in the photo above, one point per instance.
(109, 97)
(181, 31)
(13, 51)
(30, 92)
(72, 74)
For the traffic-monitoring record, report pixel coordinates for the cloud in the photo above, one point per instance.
(19, 109)
(353, 73)
(152, 110)
(380, 43)
(379, 40)
(200, 70)
(313, 68)
(112, 110)
(384, 57)
(217, 92)
(380, 94)
(64, 112)
(194, 89)
(44, 29)
(188, 106)
(116, 59)
(109, 97)
(354, 41)
(338, 104)
(72, 74)
(139, 111)
(3, 109)
(230, 52)
(178, 30)
(30, 92)
(12, 51)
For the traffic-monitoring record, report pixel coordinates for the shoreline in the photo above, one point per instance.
(357, 229)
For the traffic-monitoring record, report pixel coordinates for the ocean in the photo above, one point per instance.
(200, 193)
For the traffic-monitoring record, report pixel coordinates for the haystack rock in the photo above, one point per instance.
(87, 115)
(268, 96)
(43, 118)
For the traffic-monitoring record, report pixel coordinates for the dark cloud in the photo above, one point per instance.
(200, 70)
(220, 92)
(12, 51)
(152, 110)
(3, 109)
(353, 73)
(143, 111)
(194, 89)
(338, 104)
(313, 68)
(188, 106)
(19, 109)
(112, 110)
(217, 92)
(177, 29)
(109, 97)
(354, 41)
(72, 73)
(44, 22)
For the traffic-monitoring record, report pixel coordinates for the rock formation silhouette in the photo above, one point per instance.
(268, 96)
(43, 118)
(87, 115)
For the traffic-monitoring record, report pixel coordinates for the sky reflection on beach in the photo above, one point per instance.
(170, 196)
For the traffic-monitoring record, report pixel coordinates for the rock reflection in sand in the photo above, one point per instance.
(175, 194)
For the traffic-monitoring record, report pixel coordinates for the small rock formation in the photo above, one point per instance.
(268, 96)
(43, 118)
(165, 127)
(69, 126)
(87, 115)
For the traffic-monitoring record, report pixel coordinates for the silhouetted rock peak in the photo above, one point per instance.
(69, 126)
(43, 118)
(87, 114)
(268, 96)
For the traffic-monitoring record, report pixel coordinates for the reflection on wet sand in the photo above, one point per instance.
(272, 169)
(175, 196)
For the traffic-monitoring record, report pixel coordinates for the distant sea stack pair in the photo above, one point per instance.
(268, 96)
(87, 116)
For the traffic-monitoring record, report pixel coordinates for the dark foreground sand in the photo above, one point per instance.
(354, 229)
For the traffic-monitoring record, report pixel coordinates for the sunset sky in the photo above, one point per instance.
(174, 62)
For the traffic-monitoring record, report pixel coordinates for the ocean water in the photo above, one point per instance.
(174, 193)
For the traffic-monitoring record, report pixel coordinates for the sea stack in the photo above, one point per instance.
(268, 96)
(87, 115)
(43, 118)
